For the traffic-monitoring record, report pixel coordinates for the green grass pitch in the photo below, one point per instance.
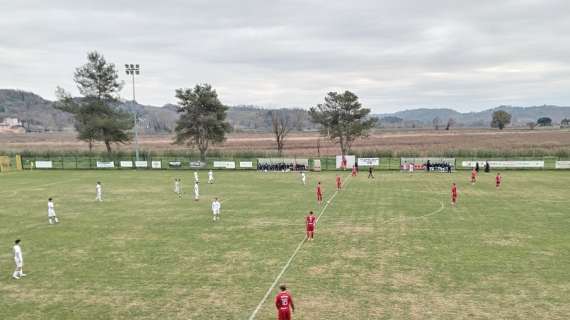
(388, 248)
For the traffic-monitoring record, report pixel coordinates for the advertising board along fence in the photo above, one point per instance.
(126, 164)
(368, 162)
(105, 164)
(141, 164)
(224, 164)
(562, 165)
(518, 164)
(75, 162)
(42, 164)
(246, 164)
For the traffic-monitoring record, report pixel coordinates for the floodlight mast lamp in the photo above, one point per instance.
(134, 69)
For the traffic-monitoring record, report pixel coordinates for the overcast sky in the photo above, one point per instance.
(467, 55)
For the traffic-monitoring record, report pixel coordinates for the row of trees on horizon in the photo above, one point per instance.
(202, 121)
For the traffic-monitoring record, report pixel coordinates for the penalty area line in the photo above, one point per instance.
(286, 266)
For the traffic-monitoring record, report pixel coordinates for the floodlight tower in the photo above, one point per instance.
(134, 69)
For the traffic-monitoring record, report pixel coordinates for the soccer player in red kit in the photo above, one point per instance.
(284, 304)
(319, 193)
(453, 194)
(498, 180)
(473, 176)
(354, 170)
(311, 221)
(338, 183)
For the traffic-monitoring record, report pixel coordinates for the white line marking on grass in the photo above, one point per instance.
(415, 218)
(286, 266)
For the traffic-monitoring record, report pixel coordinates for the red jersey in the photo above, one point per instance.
(498, 178)
(311, 220)
(283, 301)
(473, 174)
(319, 190)
(454, 191)
(338, 181)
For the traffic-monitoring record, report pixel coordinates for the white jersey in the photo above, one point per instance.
(51, 209)
(303, 177)
(196, 191)
(210, 176)
(216, 206)
(177, 187)
(196, 176)
(98, 189)
(18, 254)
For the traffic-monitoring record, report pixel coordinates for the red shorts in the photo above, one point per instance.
(319, 196)
(454, 198)
(284, 314)
(310, 228)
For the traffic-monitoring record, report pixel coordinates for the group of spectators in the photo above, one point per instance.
(281, 166)
(438, 166)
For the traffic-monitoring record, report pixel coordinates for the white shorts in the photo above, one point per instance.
(19, 263)
(216, 212)
(51, 213)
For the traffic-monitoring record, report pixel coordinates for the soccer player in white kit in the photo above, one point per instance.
(303, 177)
(196, 191)
(99, 191)
(196, 179)
(19, 260)
(52, 218)
(216, 206)
(210, 176)
(177, 188)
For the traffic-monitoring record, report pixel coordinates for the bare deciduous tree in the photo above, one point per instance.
(450, 123)
(281, 124)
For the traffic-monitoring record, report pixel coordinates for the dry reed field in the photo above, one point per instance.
(421, 142)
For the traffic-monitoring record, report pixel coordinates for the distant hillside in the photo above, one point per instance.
(36, 113)
(39, 115)
(424, 117)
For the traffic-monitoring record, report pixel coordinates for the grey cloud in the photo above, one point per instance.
(462, 54)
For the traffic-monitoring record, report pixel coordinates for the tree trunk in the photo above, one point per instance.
(279, 146)
(203, 154)
(108, 145)
(90, 146)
